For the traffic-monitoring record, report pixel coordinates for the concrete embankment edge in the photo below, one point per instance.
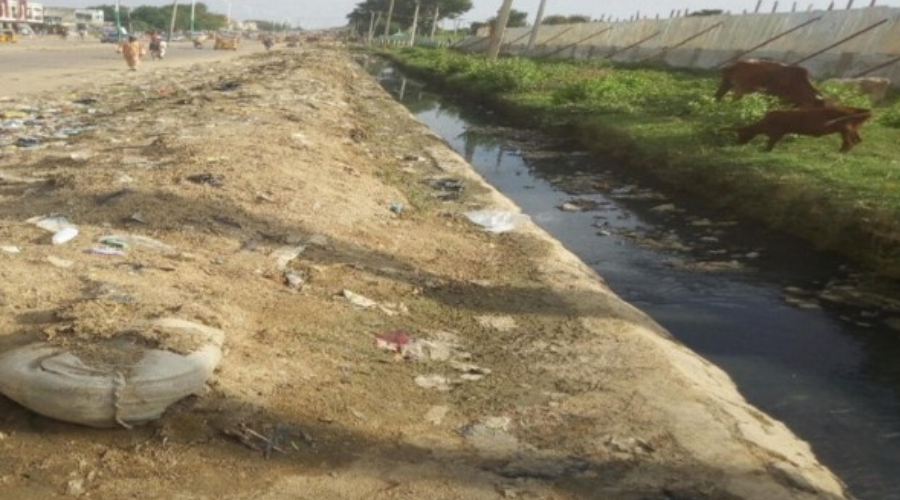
(757, 456)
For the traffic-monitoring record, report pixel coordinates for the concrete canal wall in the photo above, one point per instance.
(704, 42)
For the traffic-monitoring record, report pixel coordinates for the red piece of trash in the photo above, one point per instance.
(392, 340)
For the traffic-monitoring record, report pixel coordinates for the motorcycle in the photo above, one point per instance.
(157, 49)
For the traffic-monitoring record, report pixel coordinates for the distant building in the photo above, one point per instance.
(13, 11)
(71, 17)
(34, 13)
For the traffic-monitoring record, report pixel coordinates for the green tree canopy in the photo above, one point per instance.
(148, 17)
(559, 19)
(403, 13)
(272, 26)
(517, 19)
(706, 12)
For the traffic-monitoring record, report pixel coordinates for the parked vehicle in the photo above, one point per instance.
(113, 37)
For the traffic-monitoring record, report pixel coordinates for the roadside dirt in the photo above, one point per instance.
(549, 386)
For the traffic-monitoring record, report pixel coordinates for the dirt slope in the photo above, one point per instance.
(549, 386)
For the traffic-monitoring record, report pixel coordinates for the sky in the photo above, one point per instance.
(314, 14)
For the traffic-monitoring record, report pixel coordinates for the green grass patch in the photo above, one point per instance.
(666, 121)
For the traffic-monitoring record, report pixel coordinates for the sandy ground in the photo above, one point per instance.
(544, 383)
(38, 64)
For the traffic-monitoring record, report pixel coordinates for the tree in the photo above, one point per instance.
(517, 19)
(403, 13)
(148, 17)
(706, 12)
(272, 26)
(559, 19)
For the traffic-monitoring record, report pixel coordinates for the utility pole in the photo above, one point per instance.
(434, 22)
(537, 26)
(499, 28)
(118, 22)
(371, 28)
(172, 24)
(193, 7)
(415, 26)
(387, 25)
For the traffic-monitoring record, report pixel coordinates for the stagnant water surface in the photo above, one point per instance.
(749, 300)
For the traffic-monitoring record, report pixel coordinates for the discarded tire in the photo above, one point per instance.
(55, 382)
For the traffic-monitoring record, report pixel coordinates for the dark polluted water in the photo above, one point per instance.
(760, 305)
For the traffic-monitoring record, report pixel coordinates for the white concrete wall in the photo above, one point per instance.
(736, 34)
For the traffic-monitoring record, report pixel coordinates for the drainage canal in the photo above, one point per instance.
(769, 310)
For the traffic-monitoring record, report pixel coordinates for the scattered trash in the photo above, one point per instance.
(106, 251)
(106, 198)
(630, 445)
(120, 382)
(436, 414)
(579, 205)
(227, 86)
(115, 242)
(10, 249)
(396, 207)
(394, 341)
(81, 155)
(497, 221)
(665, 207)
(27, 142)
(60, 263)
(284, 255)
(64, 235)
(52, 223)
(358, 300)
(469, 371)
(208, 179)
(438, 382)
(428, 350)
(446, 184)
(257, 441)
(137, 217)
(293, 280)
(499, 323)
(126, 241)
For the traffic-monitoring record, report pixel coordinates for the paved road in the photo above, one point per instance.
(37, 65)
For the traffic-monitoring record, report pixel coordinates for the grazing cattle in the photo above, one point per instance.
(875, 87)
(816, 122)
(226, 43)
(790, 83)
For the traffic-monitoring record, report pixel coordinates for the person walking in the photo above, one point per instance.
(132, 50)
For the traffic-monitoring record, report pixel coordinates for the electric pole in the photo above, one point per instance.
(437, 11)
(172, 24)
(415, 26)
(387, 26)
(499, 28)
(371, 28)
(537, 26)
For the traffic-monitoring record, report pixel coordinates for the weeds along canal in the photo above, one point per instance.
(766, 308)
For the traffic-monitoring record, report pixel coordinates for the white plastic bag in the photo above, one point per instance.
(497, 221)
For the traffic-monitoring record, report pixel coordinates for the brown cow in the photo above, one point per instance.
(816, 122)
(223, 43)
(790, 83)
